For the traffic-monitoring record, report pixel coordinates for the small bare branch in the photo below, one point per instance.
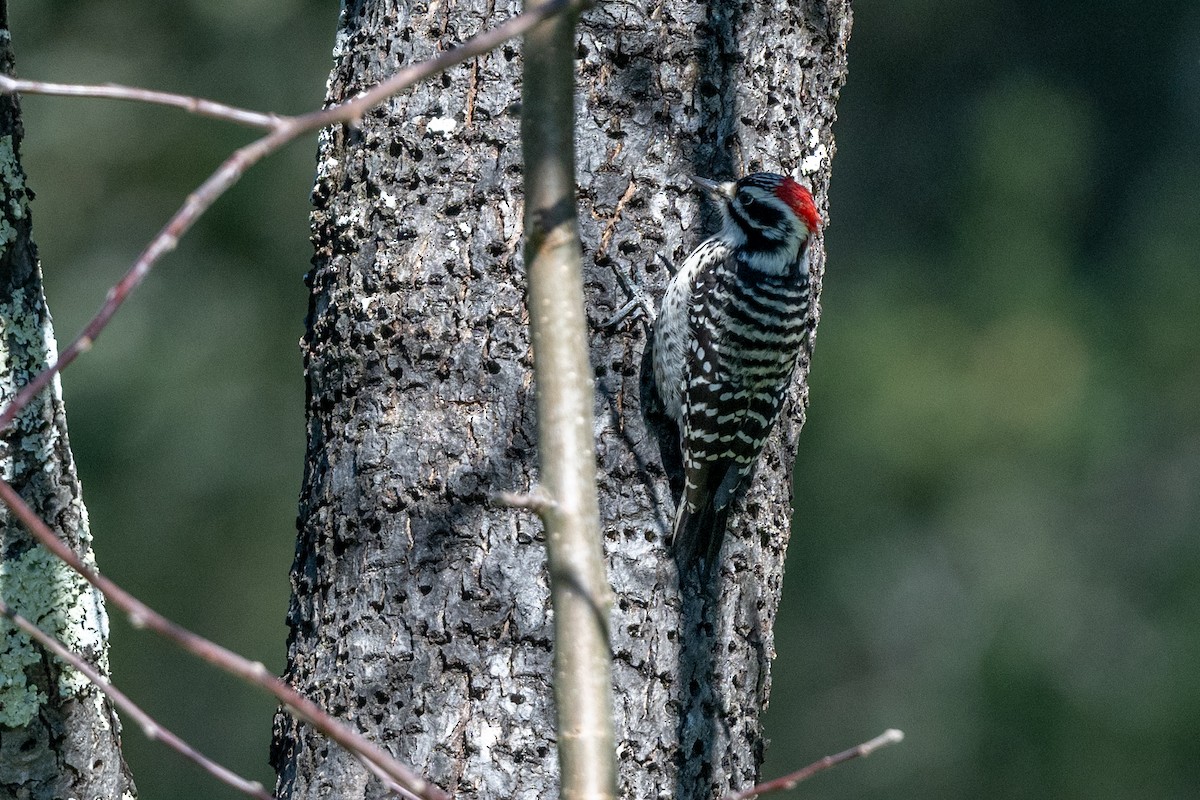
(536, 500)
(153, 729)
(252, 672)
(112, 91)
(353, 110)
(890, 736)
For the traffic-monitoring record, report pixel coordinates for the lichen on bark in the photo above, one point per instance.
(59, 736)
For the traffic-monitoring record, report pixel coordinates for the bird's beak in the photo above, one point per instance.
(714, 188)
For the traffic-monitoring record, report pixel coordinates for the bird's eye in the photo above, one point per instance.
(746, 199)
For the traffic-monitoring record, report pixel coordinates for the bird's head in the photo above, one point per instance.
(765, 210)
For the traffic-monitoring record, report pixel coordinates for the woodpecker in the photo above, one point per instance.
(726, 339)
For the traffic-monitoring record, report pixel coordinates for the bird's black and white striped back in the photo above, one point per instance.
(748, 327)
(726, 341)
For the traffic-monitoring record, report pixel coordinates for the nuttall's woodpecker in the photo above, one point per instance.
(726, 340)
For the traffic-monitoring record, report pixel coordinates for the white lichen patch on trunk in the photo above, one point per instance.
(32, 581)
(47, 592)
(14, 183)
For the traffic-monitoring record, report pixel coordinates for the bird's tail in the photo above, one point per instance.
(699, 530)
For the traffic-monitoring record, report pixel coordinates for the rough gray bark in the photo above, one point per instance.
(59, 736)
(419, 611)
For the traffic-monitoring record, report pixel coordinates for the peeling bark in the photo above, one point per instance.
(419, 611)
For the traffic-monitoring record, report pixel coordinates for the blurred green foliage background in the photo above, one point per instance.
(998, 538)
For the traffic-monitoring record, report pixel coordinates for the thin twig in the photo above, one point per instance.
(142, 616)
(283, 130)
(387, 782)
(536, 500)
(890, 736)
(112, 91)
(151, 727)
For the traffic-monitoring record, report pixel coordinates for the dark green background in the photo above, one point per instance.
(998, 534)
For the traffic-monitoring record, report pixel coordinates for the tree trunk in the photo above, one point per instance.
(419, 611)
(59, 736)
